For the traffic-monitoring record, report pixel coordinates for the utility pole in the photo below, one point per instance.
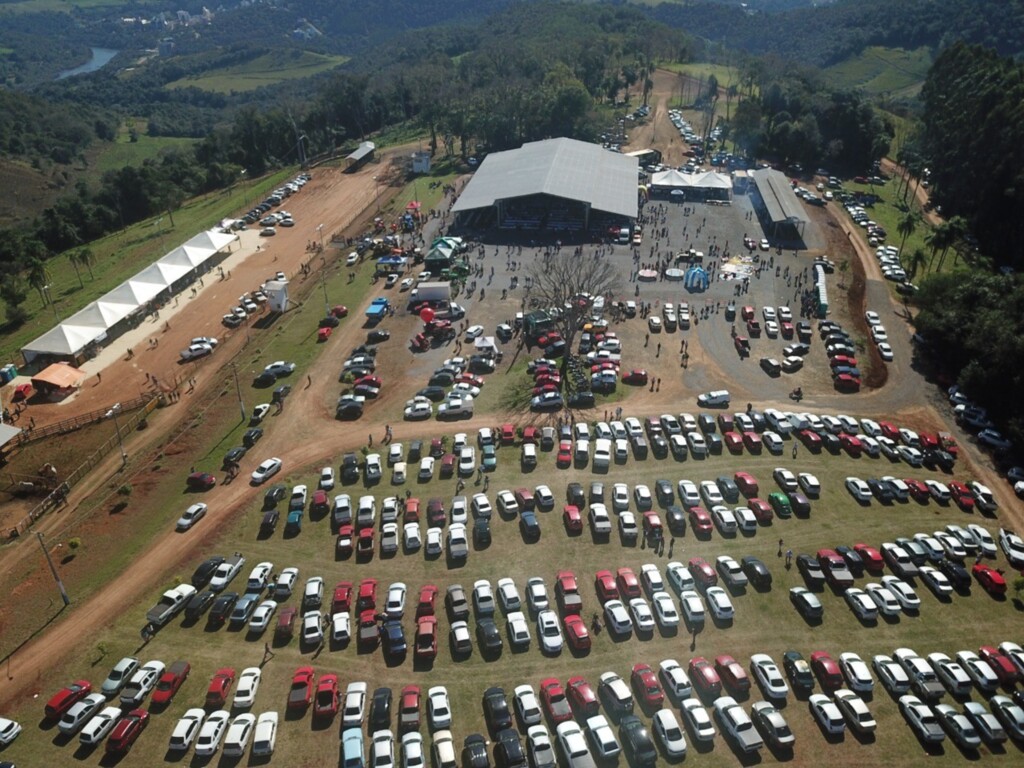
(53, 570)
(238, 391)
(112, 413)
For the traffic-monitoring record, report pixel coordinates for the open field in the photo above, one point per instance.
(882, 71)
(124, 151)
(270, 69)
(60, 6)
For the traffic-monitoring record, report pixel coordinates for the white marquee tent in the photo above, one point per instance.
(91, 323)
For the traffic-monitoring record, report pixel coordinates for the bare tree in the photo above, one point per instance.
(570, 284)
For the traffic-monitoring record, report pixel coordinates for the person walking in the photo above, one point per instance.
(789, 557)
(267, 653)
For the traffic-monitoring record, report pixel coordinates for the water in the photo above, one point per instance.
(100, 58)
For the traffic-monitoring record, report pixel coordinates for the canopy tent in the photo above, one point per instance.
(709, 182)
(696, 279)
(58, 376)
(8, 433)
(485, 343)
(91, 324)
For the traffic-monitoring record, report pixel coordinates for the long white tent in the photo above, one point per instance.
(92, 323)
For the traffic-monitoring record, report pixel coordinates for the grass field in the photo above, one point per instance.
(124, 151)
(764, 621)
(882, 71)
(270, 69)
(59, 6)
(120, 255)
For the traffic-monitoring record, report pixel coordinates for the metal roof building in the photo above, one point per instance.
(779, 203)
(588, 177)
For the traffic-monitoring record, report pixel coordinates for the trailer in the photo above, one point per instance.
(378, 308)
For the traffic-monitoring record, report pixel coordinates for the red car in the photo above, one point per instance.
(871, 558)
(917, 489)
(221, 683)
(576, 633)
(636, 376)
(929, 440)
(170, 682)
(370, 381)
(409, 709)
(645, 683)
(607, 589)
(127, 730)
(703, 675)
(301, 692)
(605, 366)
(762, 510)
(747, 313)
(426, 637)
(890, 430)
(851, 444)
(364, 543)
(702, 572)
(844, 382)
(66, 698)
(653, 529)
(555, 701)
(568, 592)
(412, 510)
(508, 434)
(810, 439)
(543, 388)
(549, 338)
(201, 481)
(571, 518)
(846, 360)
(746, 483)
(470, 379)
(733, 442)
(346, 540)
(367, 599)
(700, 521)
(582, 697)
(961, 495)
(342, 600)
(531, 435)
(340, 311)
(752, 442)
(786, 329)
(425, 606)
(732, 673)
(827, 670)
(326, 702)
(1001, 663)
(564, 459)
(547, 378)
(991, 579)
(629, 585)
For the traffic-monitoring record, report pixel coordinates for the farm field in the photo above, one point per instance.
(882, 71)
(268, 70)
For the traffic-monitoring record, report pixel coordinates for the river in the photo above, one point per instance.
(100, 58)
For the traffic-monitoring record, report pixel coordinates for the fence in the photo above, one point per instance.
(58, 496)
(27, 436)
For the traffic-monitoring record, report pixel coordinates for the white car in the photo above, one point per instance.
(936, 581)
(312, 629)
(810, 484)
(856, 672)
(280, 368)
(286, 583)
(885, 351)
(412, 750)
(884, 599)
(617, 617)
(260, 619)
(184, 732)
(719, 603)
(855, 710)
(903, 592)
(518, 629)
(688, 493)
(825, 711)
(195, 351)
(643, 619)
(80, 712)
(980, 671)
(768, 676)
(191, 516)
(665, 610)
(891, 674)
(354, 705)
(439, 711)
(674, 679)
(394, 606)
(697, 719)
(861, 605)
(858, 489)
(238, 735)
(212, 732)
(549, 632)
(602, 737)
(668, 732)
(526, 705)
(411, 537)
(951, 673)
(266, 470)
(474, 332)
(434, 542)
(264, 736)
(537, 594)
(1013, 547)
(509, 596)
(382, 749)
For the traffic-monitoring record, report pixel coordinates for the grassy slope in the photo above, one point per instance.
(879, 71)
(124, 151)
(267, 70)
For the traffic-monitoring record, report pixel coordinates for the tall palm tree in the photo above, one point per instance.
(917, 260)
(86, 258)
(38, 277)
(957, 229)
(907, 225)
(939, 238)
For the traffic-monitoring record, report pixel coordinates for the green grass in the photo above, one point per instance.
(120, 255)
(765, 622)
(59, 6)
(124, 151)
(882, 71)
(270, 69)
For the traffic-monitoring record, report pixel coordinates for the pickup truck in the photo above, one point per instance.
(226, 571)
(170, 682)
(369, 630)
(568, 593)
(172, 601)
(378, 308)
(735, 722)
(455, 408)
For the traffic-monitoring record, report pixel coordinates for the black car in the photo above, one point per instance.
(440, 379)
(204, 572)
(659, 446)
(274, 494)
(639, 444)
(376, 337)
(349, 468)
(730, 491)
(715, 443)
(664, 491)
(496, 709)
(234, 456)
(956, 573)
(812, 573)
(252, 436)
(393, 638)
(574, 495)
(489, 638)
(350, 410)
(264, 379)
(434, 394)
(679, 449)
(880, 490)
(853, 560)
(757, 572)
(581, 400)
(934, 457)
(801, 600)
(281, 393)
(675, 518)
(415, 450)
(831, 443)
(707, 424)
(380, 709)
(798, 671)
(197, 606)
(269, 523)
(474, 752)
(529, 526)
(222, 607)
(509, 751)
(482, 532)
(636, 741)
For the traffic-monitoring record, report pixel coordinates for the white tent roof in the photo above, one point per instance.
(187, 256)
(678, 179)
(211, 240)
(65, 339)
(172, 272)
(89, 316)
(670, 178)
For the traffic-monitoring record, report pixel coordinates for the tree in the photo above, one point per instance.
(572, 283)
(918, 259)
(907, 225)
(81, 257)
(38, 277)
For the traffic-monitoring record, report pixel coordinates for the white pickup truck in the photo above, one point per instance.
(170, 604)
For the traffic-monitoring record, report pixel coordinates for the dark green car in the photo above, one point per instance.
(780, 503)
